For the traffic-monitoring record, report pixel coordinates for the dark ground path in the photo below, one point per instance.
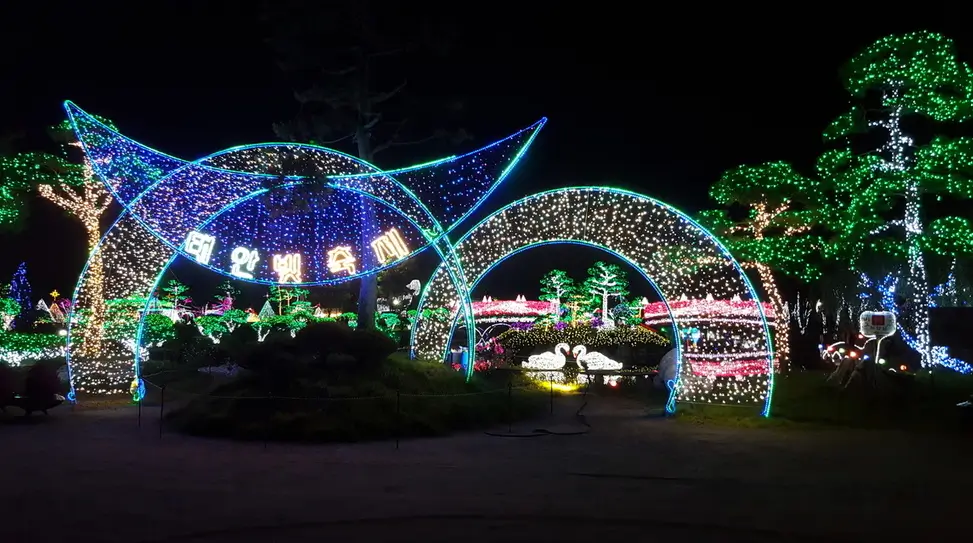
(95, 476)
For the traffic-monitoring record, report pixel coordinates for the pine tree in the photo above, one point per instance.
(20, 291)
(879, 215)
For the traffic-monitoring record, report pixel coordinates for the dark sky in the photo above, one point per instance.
(657, 101)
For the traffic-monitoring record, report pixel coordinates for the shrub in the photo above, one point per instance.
(370, 348)
(42, 382)
(321, 338)
(8, 381)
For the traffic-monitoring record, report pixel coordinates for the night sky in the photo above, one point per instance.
(660, 102)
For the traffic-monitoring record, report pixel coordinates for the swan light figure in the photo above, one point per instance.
(595, 361)
(549, 361)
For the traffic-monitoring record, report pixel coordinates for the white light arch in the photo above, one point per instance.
(672, 251)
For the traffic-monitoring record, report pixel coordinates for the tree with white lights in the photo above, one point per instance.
(68, 181)
(605, 281)
(557, 286)
(878, 212)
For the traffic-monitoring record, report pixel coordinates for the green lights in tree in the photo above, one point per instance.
(877, 211)
(557, 286)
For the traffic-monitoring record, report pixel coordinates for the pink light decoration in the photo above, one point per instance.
(729, 368)
(504, 308)
(705, 309)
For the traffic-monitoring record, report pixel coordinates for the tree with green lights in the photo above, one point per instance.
(9, 309)
(878, 212)
(781, 207)
(224, 289)
(175, 294)
(66, 179)
(605, 281)
(557, 286)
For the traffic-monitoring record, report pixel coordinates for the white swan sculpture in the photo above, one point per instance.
(595, 361)
(549, 361)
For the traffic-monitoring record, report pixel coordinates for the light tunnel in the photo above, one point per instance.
(674, 253)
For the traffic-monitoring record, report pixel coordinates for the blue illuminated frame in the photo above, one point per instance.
(334, 183)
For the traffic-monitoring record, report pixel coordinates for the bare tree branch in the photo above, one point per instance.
(340, 73)
(379, 98)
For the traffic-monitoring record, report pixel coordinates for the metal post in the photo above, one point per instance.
(162, 407)
(398, 419)
(140, 412)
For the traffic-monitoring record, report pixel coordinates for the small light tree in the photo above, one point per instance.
(605, 281)
(9, 309)
(175, 293)
(557, 286)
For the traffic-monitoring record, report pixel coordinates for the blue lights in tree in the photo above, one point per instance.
(20, 291)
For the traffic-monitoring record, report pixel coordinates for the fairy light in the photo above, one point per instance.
(269, 199)
(918, 73)
(636, 228)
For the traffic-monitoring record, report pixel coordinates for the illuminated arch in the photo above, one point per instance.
(730, 364)
(166, 198)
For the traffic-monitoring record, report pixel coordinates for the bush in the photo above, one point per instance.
(8, 381)
(42, 382)
(434, 400)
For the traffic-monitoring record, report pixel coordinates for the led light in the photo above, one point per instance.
(389, 246)
(288, 268)
(200, 246)
(244, 262)
(341, 259)
(673, 252)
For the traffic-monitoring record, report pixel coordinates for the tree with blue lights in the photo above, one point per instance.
(20, 292)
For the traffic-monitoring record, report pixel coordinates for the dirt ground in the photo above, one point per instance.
(96, 476)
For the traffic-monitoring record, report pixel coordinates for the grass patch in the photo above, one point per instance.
(924, 403)
(349, 403)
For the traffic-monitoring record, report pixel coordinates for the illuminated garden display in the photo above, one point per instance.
(285, 214)
(669, 249)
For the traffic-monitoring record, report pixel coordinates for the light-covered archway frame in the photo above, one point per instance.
(732, 361)
(167, 201)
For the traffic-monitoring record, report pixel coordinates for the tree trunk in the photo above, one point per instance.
(781, 320)
(918, 283)
(368, 291)
(96, 293)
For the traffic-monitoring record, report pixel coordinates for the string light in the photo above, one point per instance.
(917, 74)
(263, 198)
(635, 228)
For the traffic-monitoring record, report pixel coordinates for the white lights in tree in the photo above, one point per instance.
(244, 262)
(288, 267)
(672, 251)
(390, 247)
(341, 259)
(200, 246)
